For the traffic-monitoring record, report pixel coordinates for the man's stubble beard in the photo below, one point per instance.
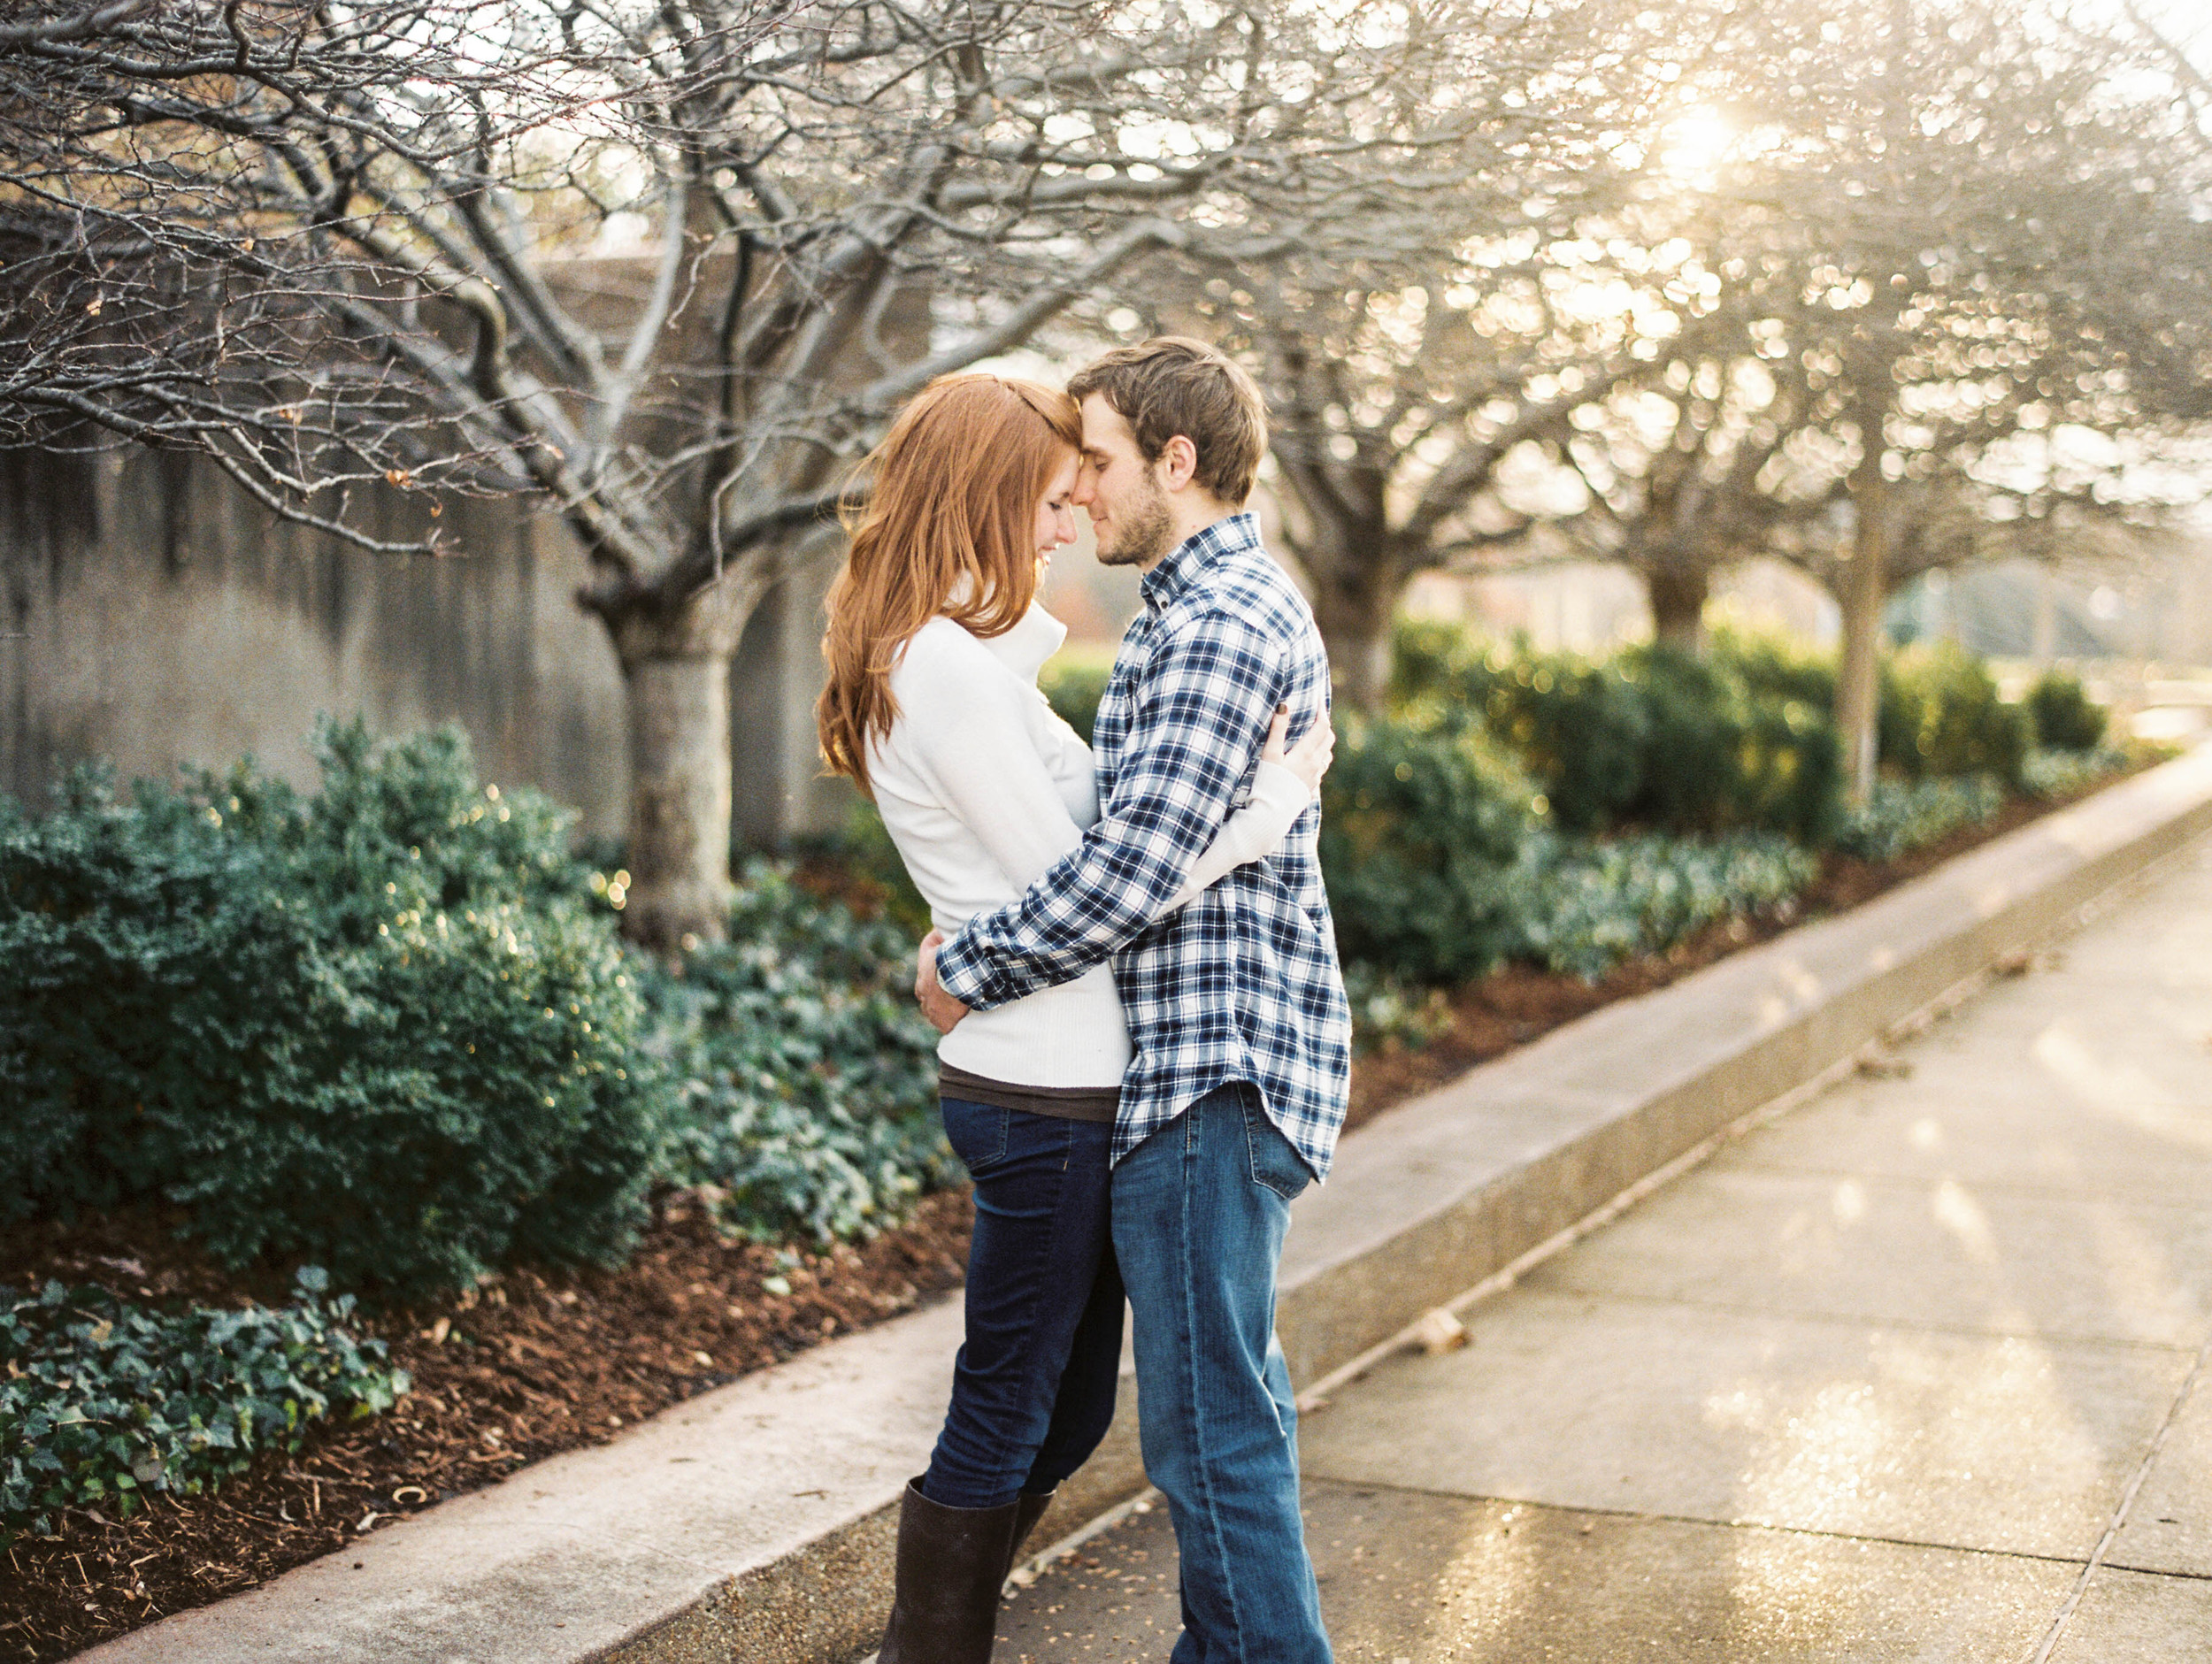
(1144, 532)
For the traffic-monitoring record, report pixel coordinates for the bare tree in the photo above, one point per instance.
(1679, 468)
(1973, 234)
(670, 266)
(1406, 370)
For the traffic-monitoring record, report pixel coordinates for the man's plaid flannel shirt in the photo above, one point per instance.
(1242, 984)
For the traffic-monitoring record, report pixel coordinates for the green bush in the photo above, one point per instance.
(1940, 713)
(806, 1079)
(1777, 667)
(383, 1029)
(1074, 684)
(1653, 738)
(1420, 830)
(1942, 717)
(103, 1401)
(1582, 731)
(2063, 715)
(1589, 906)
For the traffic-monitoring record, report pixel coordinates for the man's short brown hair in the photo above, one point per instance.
(1172, 385)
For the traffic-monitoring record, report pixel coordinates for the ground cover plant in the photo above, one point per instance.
(803, 1080)
(529, 1362)
(108, 1401)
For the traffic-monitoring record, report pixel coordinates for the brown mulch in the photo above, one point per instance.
(535, 1362)
(530, 1364)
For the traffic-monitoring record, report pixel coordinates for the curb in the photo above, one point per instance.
(755, 1522)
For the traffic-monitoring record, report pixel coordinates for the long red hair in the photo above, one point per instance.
(954, 493)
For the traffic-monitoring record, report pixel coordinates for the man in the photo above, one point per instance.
(1236, 1002)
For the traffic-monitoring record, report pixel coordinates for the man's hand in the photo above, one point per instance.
(943, 1011)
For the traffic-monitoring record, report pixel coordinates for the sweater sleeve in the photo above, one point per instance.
(1257, 829)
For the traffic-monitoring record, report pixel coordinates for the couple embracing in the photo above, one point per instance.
(1147, 1048)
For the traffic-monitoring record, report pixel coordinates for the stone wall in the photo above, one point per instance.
(151, 613)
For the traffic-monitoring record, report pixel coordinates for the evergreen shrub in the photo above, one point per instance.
(1582, 731)
(1942, 717)
(1074, 684)
(1777, 667)
(379, 1028)
(1726, 755)
(1420, 829)
(1654, 737)
(2062, 716)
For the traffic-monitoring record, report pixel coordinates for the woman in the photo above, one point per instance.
(934, 642)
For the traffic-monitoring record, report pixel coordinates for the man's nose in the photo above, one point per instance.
(1085, 488)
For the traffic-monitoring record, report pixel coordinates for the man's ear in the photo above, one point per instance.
(1178, 462)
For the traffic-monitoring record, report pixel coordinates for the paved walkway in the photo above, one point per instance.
(1904, 1375)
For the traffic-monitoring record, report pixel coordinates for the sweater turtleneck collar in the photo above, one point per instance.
(1036, 636)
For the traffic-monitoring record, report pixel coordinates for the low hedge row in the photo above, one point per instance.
(389, 1028)
(1652, 737)
(1442, 864)
(1568, 813)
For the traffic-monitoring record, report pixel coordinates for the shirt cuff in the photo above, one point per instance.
(964, 975)
(1279, 788)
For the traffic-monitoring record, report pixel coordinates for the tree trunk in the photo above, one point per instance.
(679, 799)
(1354, 612)
(2046, 647)
(1865, 588)
(1677, 605)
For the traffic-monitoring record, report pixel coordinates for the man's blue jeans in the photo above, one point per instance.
(1033, 1389)
(1200, 1210)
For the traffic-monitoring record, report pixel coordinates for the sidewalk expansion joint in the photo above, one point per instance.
(2065, 1614)
(1668, 1517)
(1894, 1182)
(1887, 1325)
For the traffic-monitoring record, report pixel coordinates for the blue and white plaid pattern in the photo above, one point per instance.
(1242, 984)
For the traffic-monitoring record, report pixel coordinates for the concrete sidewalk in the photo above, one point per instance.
(1905, 1374)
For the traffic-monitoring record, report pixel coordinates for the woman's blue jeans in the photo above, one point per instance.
(1200, 1210)
(1033, 1389)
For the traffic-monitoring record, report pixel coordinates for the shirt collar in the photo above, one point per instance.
(1181, 569)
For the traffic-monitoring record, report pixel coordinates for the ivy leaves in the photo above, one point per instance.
(104, 1402)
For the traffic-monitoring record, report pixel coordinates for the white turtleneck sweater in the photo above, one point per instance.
(983, 787)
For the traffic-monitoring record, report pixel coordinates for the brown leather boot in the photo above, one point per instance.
(951, 1562)
(1028, 1509)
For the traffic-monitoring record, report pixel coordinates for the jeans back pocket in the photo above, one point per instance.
(977, 1132)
